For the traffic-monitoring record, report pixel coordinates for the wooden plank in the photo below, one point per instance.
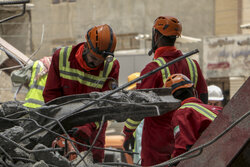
(18, 54)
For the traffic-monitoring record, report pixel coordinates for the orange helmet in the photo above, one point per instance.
(131, 77)
(68, 150)
(178, 81)
(168, 26)
(101, 41)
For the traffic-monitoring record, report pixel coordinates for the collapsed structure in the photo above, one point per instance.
(27, 135)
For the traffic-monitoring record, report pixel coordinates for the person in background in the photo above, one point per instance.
(157, 137)
(135, 141)
(192, 118)
(35, 75)
(40, 69)
(131, 77)
(84, 68)
(215, 96)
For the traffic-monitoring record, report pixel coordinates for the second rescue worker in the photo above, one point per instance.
(87, 67)
(157, 137)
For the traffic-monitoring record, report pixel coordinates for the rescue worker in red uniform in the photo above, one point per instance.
(157, 137)
(87, 67)
(192, 118)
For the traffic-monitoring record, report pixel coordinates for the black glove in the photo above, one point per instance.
(81, 133)
(129, 143)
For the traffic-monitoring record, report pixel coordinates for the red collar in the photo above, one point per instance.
(79, 57)
(162, 49)
(190, 99)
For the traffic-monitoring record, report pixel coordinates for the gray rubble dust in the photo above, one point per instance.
(17, 121)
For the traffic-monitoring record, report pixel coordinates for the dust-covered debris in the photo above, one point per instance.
(50, 157)
(40, 164)
(14, 134)
(22, 145)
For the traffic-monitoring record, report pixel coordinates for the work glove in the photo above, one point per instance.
(128, 144)
(81, 133)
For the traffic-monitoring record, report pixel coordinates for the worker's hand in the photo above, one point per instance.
(81, 133)
(129, 143)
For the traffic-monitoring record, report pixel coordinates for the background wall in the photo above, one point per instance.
(67, 22)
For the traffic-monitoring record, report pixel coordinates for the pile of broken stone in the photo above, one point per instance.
(16, 153)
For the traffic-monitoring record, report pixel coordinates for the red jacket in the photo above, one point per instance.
(157, 138)
(57, 86)
(189, 123)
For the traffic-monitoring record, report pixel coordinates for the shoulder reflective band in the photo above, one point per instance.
(191, 65)
(193, 71)
(80, 76)
(165, 71)
(131, 124)
(202, 110)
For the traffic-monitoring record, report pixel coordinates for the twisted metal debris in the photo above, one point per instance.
(26, 134)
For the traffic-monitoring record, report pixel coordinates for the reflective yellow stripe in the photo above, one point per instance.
(202, 110)
(97, 125)
(165, 71)
(107, 68)
(80, 76)
(193, 71)
(83, 78)
(131, 124)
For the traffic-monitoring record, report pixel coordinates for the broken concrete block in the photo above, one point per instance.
(14, 133)
(50, 157)
(40, 164)
(88, 160)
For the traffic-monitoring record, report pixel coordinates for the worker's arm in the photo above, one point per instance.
(186, 126)
(149, 82)
(113, 77)
(201, 86)
(152, 81)
(128, 130)
(83, 133)
(53, 87)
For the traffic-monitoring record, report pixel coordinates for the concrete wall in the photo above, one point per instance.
(227, 56)
(7, 91)
(16, 31)
(66, 22)
(245, 15)
(227, 17)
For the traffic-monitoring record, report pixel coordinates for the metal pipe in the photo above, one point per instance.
(136, 80)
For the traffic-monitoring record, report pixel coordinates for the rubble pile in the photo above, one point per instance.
(26, 141)
(17, 153)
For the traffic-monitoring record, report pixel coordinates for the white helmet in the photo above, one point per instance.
(215, 93)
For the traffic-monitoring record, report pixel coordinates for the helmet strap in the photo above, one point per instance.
(154, 43)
